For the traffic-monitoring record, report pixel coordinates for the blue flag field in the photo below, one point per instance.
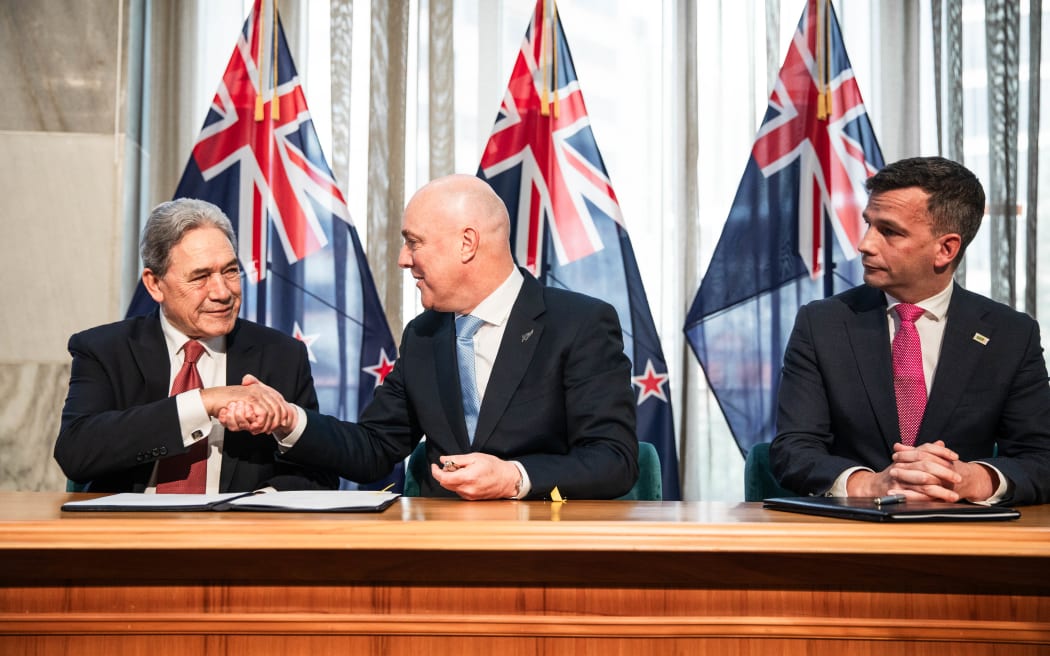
(566, 225)
(792, 230)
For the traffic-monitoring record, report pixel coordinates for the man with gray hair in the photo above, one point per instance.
(143, 392)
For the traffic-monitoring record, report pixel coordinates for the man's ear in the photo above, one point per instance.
(152, 283)
(468, 247)
(949, 247)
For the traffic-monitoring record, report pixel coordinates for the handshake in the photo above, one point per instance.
(251, 406)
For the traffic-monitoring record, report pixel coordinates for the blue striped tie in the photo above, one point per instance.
(466, 326)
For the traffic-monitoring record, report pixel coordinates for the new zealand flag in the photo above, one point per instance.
(792, 231)
(566, 224)
(258, 158)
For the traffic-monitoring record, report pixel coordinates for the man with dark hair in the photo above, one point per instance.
(911, 384)
(143, 392)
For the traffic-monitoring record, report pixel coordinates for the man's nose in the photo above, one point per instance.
(404, 257)
(218, 287)
(866, 242)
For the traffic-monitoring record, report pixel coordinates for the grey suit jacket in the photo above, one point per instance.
(836, 406)
(118, 418)
(559, 401)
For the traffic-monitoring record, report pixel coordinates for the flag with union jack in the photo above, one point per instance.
(566, 225)
(258, 158)
(793, 229)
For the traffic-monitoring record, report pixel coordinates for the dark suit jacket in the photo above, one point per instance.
(837, 408)
(118, 418)
(559, 401)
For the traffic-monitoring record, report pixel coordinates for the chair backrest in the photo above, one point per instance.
(759, 482)
(648, 487)
(416, 469)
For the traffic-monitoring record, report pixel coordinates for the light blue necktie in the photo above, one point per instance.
(466, 326)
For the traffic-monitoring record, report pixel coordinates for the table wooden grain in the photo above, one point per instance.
(440, 576)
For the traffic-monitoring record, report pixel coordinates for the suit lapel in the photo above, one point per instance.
(870, 340)
(516, 350)
(151, 356)
(242, 356)
(957, 363)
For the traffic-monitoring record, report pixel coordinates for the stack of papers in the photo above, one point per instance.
(291, 501)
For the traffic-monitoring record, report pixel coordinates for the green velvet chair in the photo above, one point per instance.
(649, 486)
(759, 482)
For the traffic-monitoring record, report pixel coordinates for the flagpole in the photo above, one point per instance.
(823, 28)
(829, 258)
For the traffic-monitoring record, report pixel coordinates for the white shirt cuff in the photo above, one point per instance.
(526, 484)
(288, 441)
(194, 422)
(838, 488)
(1000, 491)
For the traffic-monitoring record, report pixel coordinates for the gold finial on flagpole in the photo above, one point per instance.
(543, 36)
(259, 63)
(554, 58)
(823, 56)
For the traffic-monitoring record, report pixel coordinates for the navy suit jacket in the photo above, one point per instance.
(118, 418)
(559, 401)
(837, 409)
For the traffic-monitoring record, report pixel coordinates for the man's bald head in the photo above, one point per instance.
(457, 242)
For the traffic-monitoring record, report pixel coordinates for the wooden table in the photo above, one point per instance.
(451, 577)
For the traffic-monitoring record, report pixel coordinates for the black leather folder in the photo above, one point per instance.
(865, 508)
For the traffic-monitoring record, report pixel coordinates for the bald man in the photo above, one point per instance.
(554, 404)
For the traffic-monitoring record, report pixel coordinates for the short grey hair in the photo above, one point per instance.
(170, 221)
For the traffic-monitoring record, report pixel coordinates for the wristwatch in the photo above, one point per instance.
(521, 479)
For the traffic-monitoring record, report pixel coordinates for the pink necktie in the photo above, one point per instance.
(909, 382)
(187, 472)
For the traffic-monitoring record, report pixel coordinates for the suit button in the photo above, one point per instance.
(139, 457)
(163, 450)
(155, 452)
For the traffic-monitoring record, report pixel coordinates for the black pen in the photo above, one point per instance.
(889, 500)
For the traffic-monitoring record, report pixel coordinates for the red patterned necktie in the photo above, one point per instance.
(909, 381)
(187, 472)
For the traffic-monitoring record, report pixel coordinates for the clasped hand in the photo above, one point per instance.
(251, 406)
(930, 471)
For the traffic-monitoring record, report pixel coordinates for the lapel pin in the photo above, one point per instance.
(980, 339)
(525, 336)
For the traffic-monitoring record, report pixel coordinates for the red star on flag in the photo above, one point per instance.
(297, 333)
(650, 383)
(381, 369)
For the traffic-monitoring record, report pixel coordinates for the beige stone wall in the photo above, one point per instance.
(61, 222)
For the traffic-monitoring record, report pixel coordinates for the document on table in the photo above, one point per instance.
(287, 501)
(868, 509)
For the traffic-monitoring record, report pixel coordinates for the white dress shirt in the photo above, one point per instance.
(494, 311)
(194, 422)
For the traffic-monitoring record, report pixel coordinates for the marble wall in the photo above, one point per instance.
(62, 232)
